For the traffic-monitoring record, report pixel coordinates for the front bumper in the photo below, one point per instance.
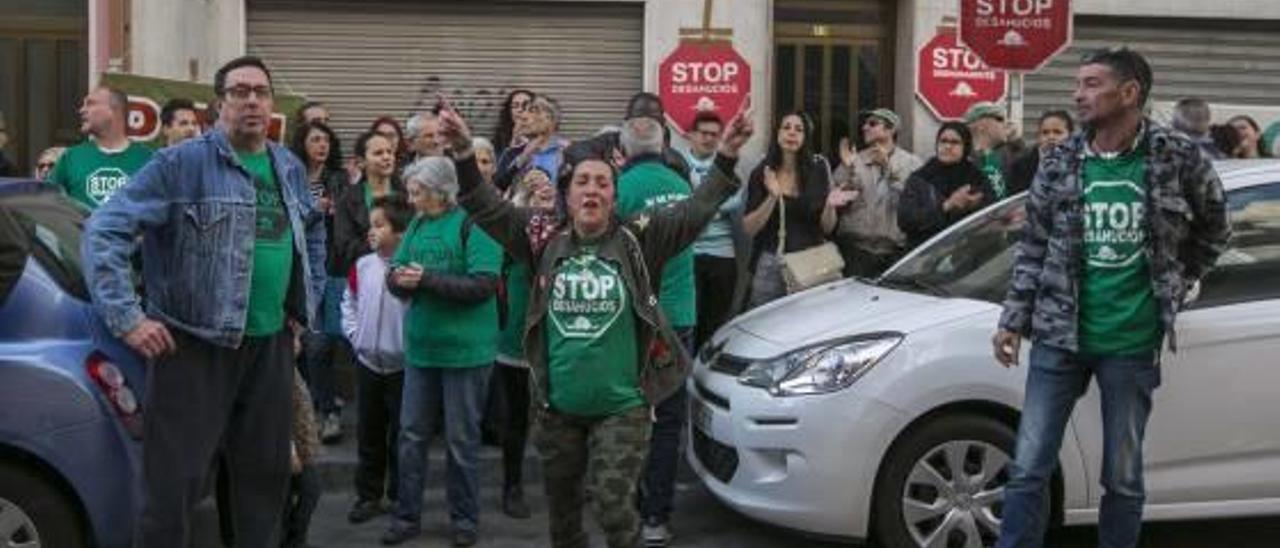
(804, 462)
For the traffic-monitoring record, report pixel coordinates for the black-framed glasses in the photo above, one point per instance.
(242, 93)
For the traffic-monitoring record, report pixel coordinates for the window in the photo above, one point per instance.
(974, 261)
(1249, 270)
(52, 225)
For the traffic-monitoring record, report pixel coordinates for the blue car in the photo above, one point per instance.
(70, 411)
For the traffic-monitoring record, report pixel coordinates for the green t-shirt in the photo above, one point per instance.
(272, 250)
(511, 342)
(90, 176)
(591, 339)
(1118, 313)
(439, 332)
(651, 184)
(994, 171)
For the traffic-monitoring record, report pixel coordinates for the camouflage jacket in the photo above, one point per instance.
(1186, 223)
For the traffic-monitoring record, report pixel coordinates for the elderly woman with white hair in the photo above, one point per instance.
(449, 272)
(486, 159)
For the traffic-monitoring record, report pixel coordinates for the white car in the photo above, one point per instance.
(864, 409)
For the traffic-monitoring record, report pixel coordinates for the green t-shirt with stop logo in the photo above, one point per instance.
(1118, 312)
(994, 170)
(591, 339)
(91, 176)
(272, 250)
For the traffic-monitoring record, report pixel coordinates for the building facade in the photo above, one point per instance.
(830, 58)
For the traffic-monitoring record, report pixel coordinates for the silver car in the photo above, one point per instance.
(875, 408)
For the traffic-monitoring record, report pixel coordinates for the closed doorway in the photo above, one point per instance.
(833, 60)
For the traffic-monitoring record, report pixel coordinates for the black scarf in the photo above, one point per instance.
(946, 178)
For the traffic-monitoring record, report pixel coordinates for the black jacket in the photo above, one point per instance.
(920, 212)
(351, 226)
(335, 185)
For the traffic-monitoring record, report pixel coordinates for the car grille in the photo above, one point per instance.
(719, 459)
(729, 365)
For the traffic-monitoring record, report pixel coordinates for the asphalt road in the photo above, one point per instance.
(702, 522)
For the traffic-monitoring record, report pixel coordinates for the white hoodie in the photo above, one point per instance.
(373, 319)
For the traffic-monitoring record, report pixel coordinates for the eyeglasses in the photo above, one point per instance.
(242, 93)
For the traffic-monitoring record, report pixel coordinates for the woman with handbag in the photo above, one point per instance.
(791, 209)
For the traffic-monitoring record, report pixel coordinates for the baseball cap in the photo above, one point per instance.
(885, 114)
(984, 109)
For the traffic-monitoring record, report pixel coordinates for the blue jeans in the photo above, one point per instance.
(322, 348)
(658, 484)
(1055, 380)
(459, 393)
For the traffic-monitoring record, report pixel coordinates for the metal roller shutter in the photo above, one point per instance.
(1230, 63)
(369, 59)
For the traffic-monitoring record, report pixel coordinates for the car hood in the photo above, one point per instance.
(850, 307)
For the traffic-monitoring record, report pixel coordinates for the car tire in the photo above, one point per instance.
(43, 510)
(916, 472)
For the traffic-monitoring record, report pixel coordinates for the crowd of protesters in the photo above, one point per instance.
(546, 281)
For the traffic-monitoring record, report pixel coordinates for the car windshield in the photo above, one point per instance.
(974, 261)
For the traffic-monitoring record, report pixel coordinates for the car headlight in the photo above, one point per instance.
(821, 368)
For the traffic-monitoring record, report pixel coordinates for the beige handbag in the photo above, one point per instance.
(807, 268)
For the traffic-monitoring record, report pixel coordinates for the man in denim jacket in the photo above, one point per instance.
(233, 264)
(1122, 220)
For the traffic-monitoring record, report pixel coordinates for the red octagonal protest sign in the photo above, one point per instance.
(1019, 35)
(703, 75)
(950, 78)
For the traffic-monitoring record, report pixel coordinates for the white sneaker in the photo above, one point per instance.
(330, 428)
(656, 535)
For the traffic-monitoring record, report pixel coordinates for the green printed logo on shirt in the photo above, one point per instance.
(587, 297)
(1113, 233)
(272, 221)
(995, 173)
(103, 182)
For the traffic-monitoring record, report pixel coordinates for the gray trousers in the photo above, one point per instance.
(206, 397)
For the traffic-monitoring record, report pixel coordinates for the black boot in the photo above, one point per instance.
(513, 503)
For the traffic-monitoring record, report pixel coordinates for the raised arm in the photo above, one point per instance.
(502, 221)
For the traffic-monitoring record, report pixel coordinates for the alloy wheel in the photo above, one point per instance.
(954, 494)
(17, 530)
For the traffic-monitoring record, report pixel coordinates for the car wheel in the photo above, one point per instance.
(942, 484)
(34, 513)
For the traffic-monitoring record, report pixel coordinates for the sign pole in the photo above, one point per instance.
(1016, 100)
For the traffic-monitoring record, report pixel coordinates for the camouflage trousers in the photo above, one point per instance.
(598, 460)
